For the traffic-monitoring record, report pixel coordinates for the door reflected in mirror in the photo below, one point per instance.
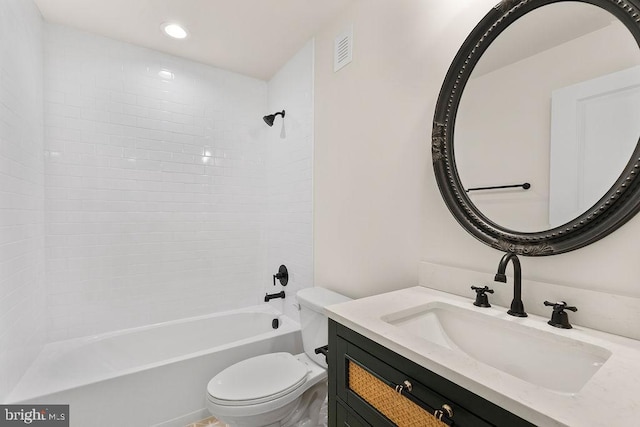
(554, 102)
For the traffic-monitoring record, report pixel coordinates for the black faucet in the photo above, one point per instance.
(268, 297)
(517, 307)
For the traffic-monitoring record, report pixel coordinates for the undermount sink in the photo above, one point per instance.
(542, 358)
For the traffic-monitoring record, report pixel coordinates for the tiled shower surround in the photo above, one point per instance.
(156, 186)
(289, 223)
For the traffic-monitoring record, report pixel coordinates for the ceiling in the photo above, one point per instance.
(251, 37)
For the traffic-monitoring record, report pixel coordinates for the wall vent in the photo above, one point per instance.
(343, 49)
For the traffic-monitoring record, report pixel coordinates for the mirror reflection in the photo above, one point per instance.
(553, 102)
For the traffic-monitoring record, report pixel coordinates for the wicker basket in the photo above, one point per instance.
(397, 408)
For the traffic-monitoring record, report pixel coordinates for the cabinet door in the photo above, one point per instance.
(347, 418)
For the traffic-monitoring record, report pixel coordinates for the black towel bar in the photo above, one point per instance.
(525, 186)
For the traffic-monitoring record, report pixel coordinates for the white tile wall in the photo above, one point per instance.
(155, 186)
(289, 225)
(161, 192)
(22, 294)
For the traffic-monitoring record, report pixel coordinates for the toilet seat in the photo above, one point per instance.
(257, 380)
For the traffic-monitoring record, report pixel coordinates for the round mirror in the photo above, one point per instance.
(514, 114)
(536, 129)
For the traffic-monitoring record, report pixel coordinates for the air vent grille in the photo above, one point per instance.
(343, 49)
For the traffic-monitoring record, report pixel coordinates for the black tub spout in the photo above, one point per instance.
(268, 297)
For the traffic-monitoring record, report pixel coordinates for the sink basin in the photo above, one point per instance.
(539, 357)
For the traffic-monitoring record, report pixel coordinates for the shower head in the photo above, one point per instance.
(271, 117)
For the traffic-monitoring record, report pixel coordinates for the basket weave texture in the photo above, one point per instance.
(397, 408)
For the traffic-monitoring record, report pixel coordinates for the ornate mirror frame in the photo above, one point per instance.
(616, 207)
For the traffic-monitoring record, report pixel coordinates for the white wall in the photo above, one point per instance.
(154, 186)
(378, 209)
(372, 129)
(22, 294)
(289, 223)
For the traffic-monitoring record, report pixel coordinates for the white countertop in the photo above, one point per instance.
(610, 398)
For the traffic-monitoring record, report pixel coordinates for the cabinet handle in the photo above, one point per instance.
(406, 385)
(439, 413)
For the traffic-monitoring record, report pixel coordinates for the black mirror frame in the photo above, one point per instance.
(615, 208)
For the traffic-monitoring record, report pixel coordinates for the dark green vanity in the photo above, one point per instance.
(399, 386)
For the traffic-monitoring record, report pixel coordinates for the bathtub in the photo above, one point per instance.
(153, 375)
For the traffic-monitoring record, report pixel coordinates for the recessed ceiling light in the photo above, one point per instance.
(174, 30)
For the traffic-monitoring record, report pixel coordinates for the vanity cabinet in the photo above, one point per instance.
(370, 385)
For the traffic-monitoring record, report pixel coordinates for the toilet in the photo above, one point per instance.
(279, 389)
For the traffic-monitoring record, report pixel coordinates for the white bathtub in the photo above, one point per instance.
(152, 375)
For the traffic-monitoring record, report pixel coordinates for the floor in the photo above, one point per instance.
(208, 422)
(213, 422)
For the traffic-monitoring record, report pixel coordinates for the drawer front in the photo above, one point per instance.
(390, 402)
(385, 396)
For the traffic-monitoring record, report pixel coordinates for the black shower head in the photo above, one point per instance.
(271, 117)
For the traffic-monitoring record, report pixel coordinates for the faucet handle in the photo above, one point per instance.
(482, 290)
(482, 300)
(559, 318)
(560, 305)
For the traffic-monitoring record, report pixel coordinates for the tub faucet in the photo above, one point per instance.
(517, 307)
(268, 297)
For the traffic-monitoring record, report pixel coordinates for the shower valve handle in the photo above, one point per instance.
(282, 275)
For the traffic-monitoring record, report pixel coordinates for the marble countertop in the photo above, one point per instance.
(610, 398)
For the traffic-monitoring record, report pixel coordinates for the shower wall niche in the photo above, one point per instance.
(156, 186)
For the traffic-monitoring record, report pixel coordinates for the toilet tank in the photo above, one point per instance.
(313, 320)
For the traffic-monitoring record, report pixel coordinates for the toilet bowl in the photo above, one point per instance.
(278, 389)
(267, 390)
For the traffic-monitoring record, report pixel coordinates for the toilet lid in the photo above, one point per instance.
(258, 379)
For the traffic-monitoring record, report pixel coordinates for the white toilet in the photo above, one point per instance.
(279, 389)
